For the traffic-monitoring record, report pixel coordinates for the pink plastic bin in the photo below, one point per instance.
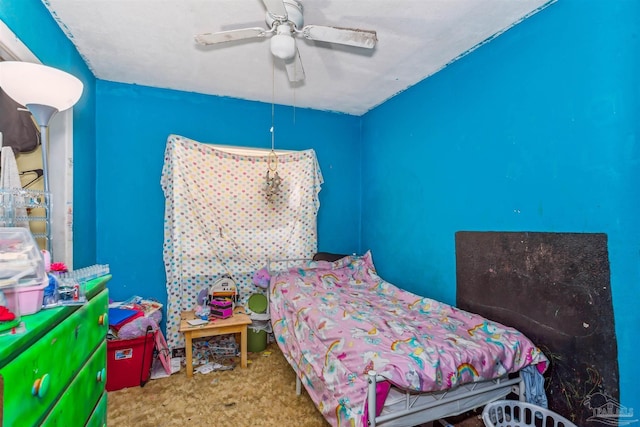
(29, 298)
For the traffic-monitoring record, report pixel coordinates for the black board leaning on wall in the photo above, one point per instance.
(555, 288)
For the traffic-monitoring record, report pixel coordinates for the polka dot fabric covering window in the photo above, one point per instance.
(218, 219)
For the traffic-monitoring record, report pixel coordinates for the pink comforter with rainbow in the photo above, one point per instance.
(336, 321)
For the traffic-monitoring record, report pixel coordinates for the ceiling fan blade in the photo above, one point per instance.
(232, 35)
(276, 8)
(294, 68)
(347, 36)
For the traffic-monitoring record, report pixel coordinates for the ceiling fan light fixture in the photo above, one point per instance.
(283, 46)
(285, 21)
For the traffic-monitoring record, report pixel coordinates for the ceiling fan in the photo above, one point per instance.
(285, 22)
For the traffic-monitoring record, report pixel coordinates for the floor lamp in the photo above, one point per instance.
(44, 91)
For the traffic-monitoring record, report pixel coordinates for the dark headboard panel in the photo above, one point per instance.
(327, 256)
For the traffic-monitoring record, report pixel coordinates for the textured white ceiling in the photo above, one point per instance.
(150, 42)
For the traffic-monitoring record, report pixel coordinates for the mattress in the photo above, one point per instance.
(336, 321)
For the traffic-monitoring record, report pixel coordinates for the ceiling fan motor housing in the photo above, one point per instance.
(294, 15)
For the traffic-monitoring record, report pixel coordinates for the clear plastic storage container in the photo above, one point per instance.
(22, 268)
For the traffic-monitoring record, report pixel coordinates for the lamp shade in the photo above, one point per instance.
(28, 83)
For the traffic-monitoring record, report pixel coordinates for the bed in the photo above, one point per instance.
(370, 353)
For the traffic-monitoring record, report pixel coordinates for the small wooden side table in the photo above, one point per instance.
(236, 324)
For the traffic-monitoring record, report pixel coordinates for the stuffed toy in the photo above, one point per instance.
(261, 278)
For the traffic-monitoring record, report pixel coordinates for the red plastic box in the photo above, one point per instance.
(129, 362)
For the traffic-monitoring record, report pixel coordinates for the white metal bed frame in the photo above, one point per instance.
(404, 408)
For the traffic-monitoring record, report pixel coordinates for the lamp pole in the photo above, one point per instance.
(42, 115)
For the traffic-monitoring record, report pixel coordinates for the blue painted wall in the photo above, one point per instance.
(535, 131)
(31, 22)
(133, 123)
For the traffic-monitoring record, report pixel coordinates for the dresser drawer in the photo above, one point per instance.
(39, 375)
(99, 416)
(78, 401)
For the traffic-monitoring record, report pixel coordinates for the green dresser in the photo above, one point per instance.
(55, 373)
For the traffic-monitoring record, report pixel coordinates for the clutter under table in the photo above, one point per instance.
(236, 324)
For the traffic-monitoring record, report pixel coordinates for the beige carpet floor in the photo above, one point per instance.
(262, 395)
